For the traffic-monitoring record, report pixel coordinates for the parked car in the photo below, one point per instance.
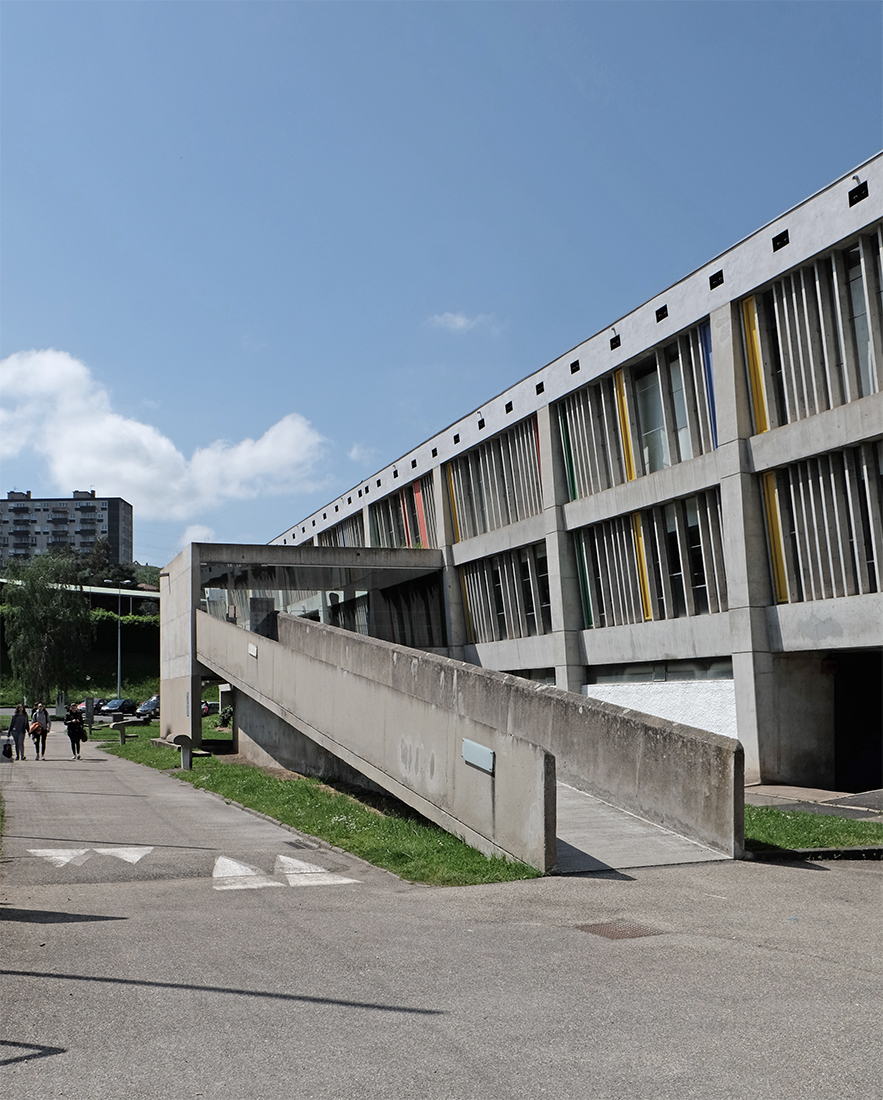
(97, 705)
(123, 706)
(149, 708)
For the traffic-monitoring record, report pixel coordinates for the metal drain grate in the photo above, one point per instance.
(619, 930)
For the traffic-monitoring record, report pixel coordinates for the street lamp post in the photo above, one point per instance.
(119, 638)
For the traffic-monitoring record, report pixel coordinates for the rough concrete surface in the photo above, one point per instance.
(142, 979)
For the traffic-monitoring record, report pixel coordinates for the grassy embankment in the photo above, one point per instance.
(767, 828)
(381, 831)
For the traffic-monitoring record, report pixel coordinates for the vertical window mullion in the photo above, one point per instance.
(713, 499)
(664, 563)
(707, 554)
(684, 551)
(691, 397)
(871, 288)
(871, 468)
(812, 330)
(830, 335)
(844, 326)
(669, 421)
(790, 382)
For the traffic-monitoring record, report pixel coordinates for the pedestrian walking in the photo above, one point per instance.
(75, 730)
(40, 723)
(18, 728)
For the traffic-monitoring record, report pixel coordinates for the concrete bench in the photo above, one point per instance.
(184, 744)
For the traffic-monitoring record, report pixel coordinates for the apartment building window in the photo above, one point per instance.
(861, 329)
(508, 595)
(663, 562)
(497, 483)
(642, 418)
(824, 527)
(679, 404)
(651, 422)
(349, 532)
(813, 339)
(406, 517)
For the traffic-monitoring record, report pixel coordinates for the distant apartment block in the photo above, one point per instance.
(32, 525)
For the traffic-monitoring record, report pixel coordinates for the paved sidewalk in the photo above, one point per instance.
(157, 941)
(101, 819)
(867, 806)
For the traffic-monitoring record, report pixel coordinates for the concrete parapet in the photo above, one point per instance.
(394, 715)
(399, 716)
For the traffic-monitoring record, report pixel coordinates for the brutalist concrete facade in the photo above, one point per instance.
(693, 493)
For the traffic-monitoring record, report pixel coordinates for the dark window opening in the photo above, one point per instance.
(661, 314)
(858, 193)
(615, 341)
(715, 280)
(780, 240)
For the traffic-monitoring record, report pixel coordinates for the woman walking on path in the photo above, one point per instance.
(40, 723)
(18, 727)
(75, 730)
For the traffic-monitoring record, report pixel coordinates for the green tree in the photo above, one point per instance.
(47, 624)
(98, 567)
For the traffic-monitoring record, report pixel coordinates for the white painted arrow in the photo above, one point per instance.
(300, 873)
(323, 878)
(286, 865)
(230, 874)
(59, 857)
(130, 855)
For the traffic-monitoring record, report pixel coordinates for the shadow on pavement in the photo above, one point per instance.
(225, 989)
(35, 1051)
(46, 916)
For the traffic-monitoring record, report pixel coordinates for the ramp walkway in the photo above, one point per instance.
(595, 836)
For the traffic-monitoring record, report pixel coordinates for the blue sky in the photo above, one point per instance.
(253, 251)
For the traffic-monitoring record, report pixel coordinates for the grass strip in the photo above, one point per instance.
(394, 838)
(768, 828)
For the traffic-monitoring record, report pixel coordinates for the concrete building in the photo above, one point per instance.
(682, 515)
(32, 525)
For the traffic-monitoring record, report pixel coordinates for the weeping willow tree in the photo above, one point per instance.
(46, 623)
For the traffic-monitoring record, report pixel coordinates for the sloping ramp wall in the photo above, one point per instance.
(399, 716)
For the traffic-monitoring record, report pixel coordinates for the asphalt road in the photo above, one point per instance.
(185, 950)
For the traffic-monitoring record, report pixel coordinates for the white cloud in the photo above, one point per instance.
(358, 453)
(197, 532)
(54, 408)
(460, 322)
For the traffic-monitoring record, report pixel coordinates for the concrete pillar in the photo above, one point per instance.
(452, 592)
(784, 702)
(567, 612)
(180, 672)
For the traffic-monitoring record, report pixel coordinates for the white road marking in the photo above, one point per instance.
(230, 874)
(59, 857)
(300, 873)
(286, 865)
(130, 855)
(323, 878)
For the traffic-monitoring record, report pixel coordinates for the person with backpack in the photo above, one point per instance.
(76, 731)
(18, 727)
(40, 723)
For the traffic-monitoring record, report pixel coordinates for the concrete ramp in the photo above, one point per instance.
(595, 836)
